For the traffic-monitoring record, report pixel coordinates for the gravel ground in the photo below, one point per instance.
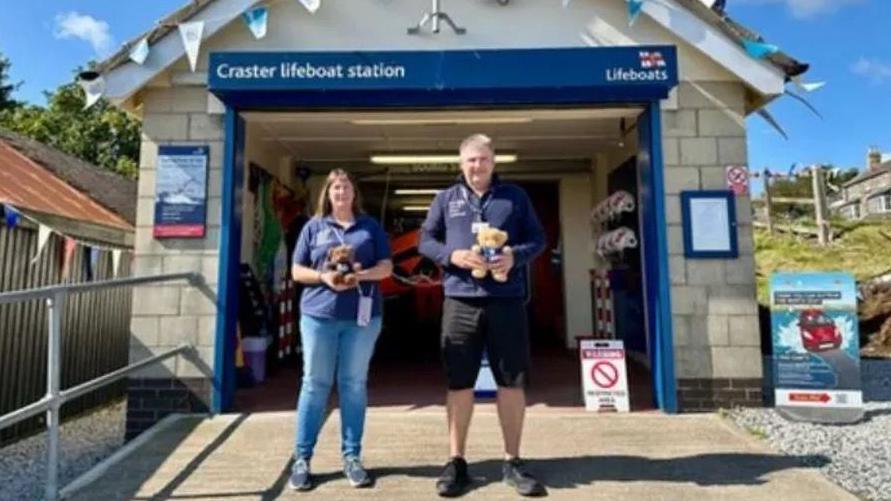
(859, 454)
(83, 442)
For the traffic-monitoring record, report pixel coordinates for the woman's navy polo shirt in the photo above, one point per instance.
(370, 245)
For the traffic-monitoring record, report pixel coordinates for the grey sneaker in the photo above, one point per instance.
(301, 478)
(355, 473)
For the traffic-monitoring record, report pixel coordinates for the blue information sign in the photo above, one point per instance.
(816, 345)
(181, 191)
(625, 72)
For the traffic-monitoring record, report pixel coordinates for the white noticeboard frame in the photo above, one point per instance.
(604, 375)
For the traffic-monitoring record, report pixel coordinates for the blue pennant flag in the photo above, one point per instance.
(759, 50)
(12, 216)
(91, 258)
(256, 21)
(634, 8)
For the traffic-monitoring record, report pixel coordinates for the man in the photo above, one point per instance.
(483, 314)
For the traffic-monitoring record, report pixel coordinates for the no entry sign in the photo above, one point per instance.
(604, 377)
(738, 179)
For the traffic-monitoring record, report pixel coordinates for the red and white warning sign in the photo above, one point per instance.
(738, 179)
(604, 378)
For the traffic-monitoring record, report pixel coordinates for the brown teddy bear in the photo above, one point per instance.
(490, 243)
(340, 260)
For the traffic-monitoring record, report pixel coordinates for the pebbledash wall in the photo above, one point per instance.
(716, 337)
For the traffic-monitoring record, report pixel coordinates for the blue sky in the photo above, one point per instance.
(846, 41)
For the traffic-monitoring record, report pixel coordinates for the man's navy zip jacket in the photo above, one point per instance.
(449, 227)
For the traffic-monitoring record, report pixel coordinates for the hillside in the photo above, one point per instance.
(863, 249)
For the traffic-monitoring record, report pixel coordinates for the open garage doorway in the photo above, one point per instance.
(567, 160)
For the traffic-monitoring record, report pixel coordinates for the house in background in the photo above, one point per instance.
(868, 194)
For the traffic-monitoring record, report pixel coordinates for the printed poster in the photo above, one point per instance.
(181, 191)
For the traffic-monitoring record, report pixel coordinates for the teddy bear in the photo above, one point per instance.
(341, 260)
(490, 243)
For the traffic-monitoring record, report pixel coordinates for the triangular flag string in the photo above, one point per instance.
(634, 9)
(44, 230)
(191, 34)
(43, 234)
(140, 52)
(11, 216)
(115, 262)
(68, 250)
(311, 5)
(256, 20)
(759, 50)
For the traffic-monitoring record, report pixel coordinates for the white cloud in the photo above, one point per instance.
(803, 9)
(873, 69)
(85, 27)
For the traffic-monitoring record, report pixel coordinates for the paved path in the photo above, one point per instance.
(580, 456)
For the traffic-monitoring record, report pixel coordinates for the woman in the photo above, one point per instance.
(339, 324)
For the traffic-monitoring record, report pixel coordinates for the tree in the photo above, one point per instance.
(6, 88)
(102, 135)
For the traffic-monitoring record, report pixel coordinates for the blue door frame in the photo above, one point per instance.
(453, 89)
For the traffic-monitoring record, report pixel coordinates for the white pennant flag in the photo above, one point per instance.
(191, 34)
(43, 234)
(93, 85)
(115, 261)
(311, 5)
(566, 3)
(140, 52)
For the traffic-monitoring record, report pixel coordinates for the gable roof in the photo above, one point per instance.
(41, 178)
(664, 13)
(869, 174)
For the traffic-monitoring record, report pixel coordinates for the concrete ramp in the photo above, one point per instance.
(578, 455)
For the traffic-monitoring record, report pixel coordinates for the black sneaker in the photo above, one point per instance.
(515, 475)
(454, 478)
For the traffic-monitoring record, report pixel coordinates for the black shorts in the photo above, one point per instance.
(498, 325)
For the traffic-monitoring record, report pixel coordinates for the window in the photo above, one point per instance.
(880, 204)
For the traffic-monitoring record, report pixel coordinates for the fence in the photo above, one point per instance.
(95, 323)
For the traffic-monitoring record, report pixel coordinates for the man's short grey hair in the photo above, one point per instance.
(476, 140)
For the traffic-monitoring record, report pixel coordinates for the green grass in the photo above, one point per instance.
(860, 250)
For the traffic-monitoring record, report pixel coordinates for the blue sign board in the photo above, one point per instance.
(181, 191)
(816, 344)
(634, 72)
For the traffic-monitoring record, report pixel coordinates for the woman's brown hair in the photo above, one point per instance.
(323, 207)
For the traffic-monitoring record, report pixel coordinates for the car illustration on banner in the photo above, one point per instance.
(818, 331)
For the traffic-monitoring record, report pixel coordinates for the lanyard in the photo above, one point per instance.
(478, 211)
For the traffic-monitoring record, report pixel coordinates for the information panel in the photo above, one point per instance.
(181, 191)
(816, 346)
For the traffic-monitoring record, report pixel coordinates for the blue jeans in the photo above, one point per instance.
(329, 347)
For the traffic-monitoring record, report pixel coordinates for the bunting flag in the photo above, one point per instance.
(115, 261)
(803, 101)
(759, 50)
(67, 253)
(43, 234)
(807, 87)
(566, 3)
(91, 262)
(12, 216)
(256, 20)
(93, 85)
(311, 5)
(634, 8)
(772, 121)
(140, 52)
(191, 34)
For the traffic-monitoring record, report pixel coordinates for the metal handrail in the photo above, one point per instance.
(51, 403)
